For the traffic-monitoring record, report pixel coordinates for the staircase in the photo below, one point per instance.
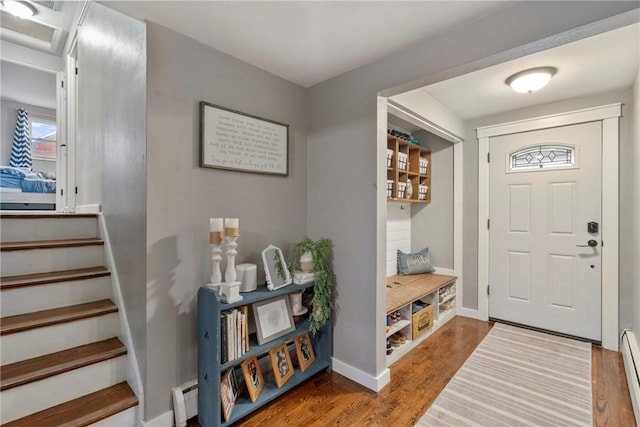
(62, 361)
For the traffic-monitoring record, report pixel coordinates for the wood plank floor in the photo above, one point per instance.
(330, 399)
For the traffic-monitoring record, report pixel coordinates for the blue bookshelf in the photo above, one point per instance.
(210, 369)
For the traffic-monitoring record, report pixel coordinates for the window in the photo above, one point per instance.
(43, 140)
(543, 156)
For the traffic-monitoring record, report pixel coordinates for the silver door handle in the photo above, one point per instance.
(590, 244)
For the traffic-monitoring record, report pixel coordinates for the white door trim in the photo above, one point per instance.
(609, 115)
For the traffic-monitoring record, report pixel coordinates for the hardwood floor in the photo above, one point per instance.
(330, 399)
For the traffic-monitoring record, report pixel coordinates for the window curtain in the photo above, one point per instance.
(21, 150)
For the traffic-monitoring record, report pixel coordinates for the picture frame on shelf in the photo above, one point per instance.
(252, 377)
(273, 318)
(304, 351)
(229, 388)
(281, 364)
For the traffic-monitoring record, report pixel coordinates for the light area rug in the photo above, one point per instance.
(518, 377)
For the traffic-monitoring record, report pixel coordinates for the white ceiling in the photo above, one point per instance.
(27, 85)
(596, 64)
(307, 42)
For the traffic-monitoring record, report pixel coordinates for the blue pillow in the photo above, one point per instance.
(416, 263)
(11, 171)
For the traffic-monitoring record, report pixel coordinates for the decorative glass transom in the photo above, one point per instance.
(542, 156)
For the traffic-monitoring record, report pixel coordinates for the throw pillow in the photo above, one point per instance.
(416, 263)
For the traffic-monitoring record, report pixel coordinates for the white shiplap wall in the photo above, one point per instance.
(398, 233)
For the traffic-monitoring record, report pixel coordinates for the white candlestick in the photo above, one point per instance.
(216, 275)
(231, 226)
(230, 273)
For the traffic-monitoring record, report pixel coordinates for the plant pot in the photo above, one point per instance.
(306, 262)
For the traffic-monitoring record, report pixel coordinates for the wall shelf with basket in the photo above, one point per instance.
(408, 171)
(221, 401)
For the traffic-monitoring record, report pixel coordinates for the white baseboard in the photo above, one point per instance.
(369, 381)
(631, 358)
(162, 420)
(90, 209)
(467, 312)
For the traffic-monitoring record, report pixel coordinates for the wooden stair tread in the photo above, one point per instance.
(46, 215)
(83, 411)
(49, 244)
(9, 282)
(23, 322)
(38, 368)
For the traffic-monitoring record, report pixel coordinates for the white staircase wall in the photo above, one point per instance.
(54, 228)
(28, 299)
(49, 339)
(39, 395)
(13, 263)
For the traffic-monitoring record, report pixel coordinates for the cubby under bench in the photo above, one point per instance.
(435, 293)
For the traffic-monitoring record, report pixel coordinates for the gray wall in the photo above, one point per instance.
(343, 197)
(635, 197)
(112, 145)
(181, 196)
(8, 117)
(470, 291)
(432, 224)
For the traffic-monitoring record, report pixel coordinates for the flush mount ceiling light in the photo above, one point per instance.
(20, 9)
(529, 81)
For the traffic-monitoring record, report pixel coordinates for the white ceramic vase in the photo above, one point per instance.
(306, 262)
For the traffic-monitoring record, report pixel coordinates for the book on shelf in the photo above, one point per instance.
(229, 388)
(234, 333)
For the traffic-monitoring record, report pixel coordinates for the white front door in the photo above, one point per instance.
(545, 189)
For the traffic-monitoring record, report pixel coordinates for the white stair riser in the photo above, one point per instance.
(54, 295)
(127, 418)
(30, 398)
(29, 230)
(33, 261)
(49, 339)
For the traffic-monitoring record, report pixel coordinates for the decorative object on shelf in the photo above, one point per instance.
(389, 188)
(300, 278)
(281, 363)
(415, 263)
(422, 166)
(238, 141)
(321, 304)
(275, 268)
(228, 393)
(253, 377)
(401, 187)
(230, 288)
(216, 235)
(247, 277)
(422, 192)
(273, 318)
(306, 262)
(304, 351)
(296, 303)
(402, 161)
(389, 157)
(409, 189)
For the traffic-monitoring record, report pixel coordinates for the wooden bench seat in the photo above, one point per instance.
(402, 290)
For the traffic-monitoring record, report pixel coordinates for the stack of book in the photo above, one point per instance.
(234, 333)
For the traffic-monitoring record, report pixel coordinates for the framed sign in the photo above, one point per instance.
(237, 141)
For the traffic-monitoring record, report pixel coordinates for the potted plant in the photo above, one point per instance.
(321, 303)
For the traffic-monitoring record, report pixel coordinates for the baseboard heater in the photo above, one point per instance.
(631, 358)
(185, 402)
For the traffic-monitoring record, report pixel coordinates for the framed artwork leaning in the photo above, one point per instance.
(304, 351)
(281, 363)
(253, 377)
(228, 392)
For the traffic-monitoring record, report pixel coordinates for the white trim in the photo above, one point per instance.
(467, 312)
(369, 381)
(163, 420)
(91, 209)
(416, 119)
(609, 115)
(554, 120)
(134, 378)
(631, 358)
(458, 218)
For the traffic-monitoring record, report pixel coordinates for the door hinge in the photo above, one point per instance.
(601, 242)
(488, 157)
(62, 192)
(62, 83)
(488, 290)
(488, 224)
(76, 71)
(76, 190)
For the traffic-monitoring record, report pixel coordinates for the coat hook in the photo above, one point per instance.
(401, 207)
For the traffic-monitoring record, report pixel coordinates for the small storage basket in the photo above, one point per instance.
(389, 157)
(423, 165)
(402, 161)
(422, 192)
(401, 189)
(389, 188)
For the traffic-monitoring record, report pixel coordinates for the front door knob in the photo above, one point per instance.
(591, 243)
